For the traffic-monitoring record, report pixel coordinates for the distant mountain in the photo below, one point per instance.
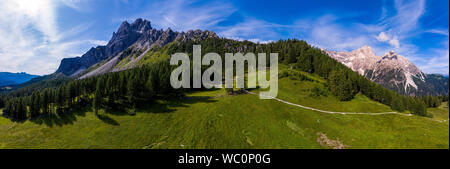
(133, 41)
(393, 71)
(135, 38)
(125, 37)
(7, 78)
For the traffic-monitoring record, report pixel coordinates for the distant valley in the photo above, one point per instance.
(7, 78)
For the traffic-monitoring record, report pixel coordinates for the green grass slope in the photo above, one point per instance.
(211, 119)
(301, 92)
(440, 113)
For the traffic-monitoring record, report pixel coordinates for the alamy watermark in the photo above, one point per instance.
(215, 70)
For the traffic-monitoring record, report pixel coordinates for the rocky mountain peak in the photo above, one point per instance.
(395, 60)
(390, 55)
(391, 70)
(138, 34)
(193, 35)
(126, 35)
(365, 49)
(141, 25)
(124, 26)
(358, 60)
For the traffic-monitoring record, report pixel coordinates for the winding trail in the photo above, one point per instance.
(343, 113)
(329, 112)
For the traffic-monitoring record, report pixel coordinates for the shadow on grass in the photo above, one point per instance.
(123, 108)
(108, 120)
(116, 109)
(60, 119)
(171, 105)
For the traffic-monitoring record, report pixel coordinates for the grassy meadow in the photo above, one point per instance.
(440, 113)
(213, 119)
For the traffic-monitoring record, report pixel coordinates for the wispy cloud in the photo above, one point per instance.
(79, 5)
(438, 31)
(390, 33)
(98, 42)
(383, 37)
(326, 32)
(31, 38)
(183, 15)
(406, 20)
(438, 64)
(251, 29)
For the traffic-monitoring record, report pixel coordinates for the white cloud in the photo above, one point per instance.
(326, 32)
(31, 39)
(183, 15)
(382, 37)
(72, 3)
(79, 5)
(394, 42)
(98, 42)
(438, 64)
(255, 40)
(251, 29)
(260, 41)
(406, 20)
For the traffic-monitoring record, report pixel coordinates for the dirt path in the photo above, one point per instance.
(329, 112)
(344, 113)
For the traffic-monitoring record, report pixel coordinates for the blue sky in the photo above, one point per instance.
(36, 35)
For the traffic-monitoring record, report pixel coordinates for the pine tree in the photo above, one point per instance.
(340, 86)
(122, 85)
(110, 90)
(397, 104)
(44, 102)
(419, 107)
(98, 96)
(59, 99)
(34, 105)
(132, 91)
(2, 103)
(21, 109)
(70, 94)
(150, 86)
(292, 58)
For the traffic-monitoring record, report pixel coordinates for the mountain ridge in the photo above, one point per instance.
(133, 41)
(393, 71)
(137, 37)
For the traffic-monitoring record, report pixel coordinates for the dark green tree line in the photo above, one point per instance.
(144, 83)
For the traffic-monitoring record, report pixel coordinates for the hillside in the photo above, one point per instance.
(440, 113)
(134, 43)
(213, 119)
(124, 100)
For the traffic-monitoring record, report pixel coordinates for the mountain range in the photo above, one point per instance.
(134, 39)
(393, 71)
(7, 78)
